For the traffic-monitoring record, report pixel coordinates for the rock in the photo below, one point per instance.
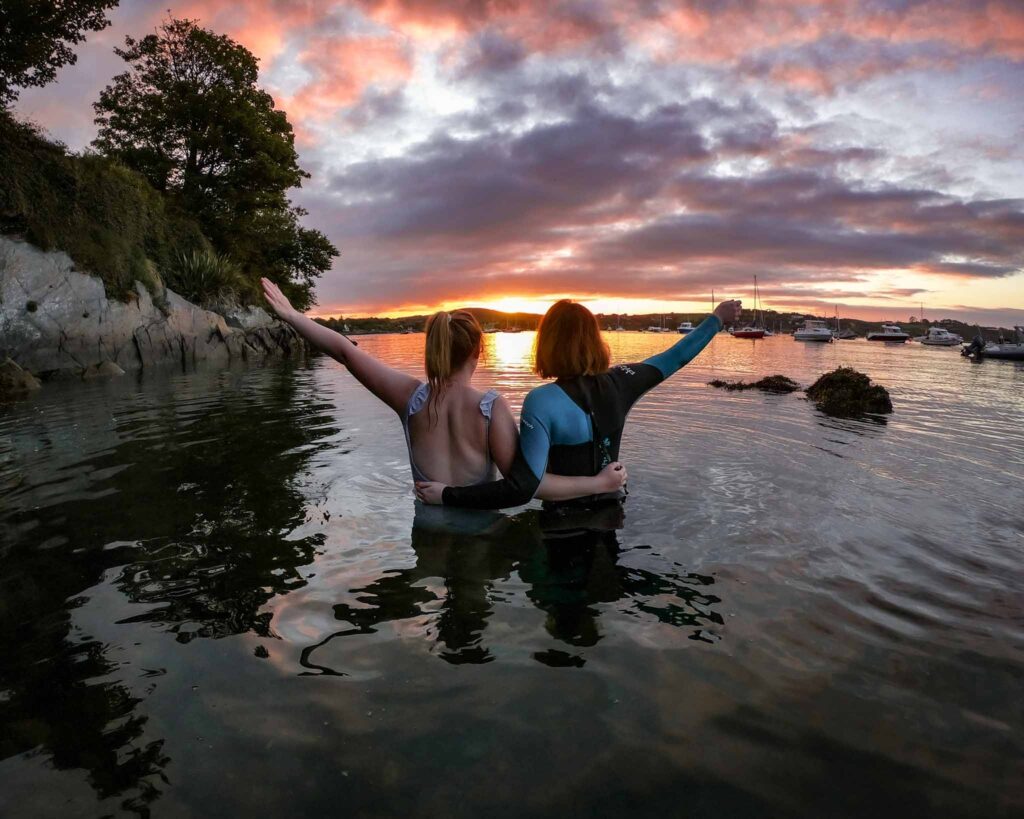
(15, 381)
(771, 383)
(103, 370)
(847, 393)
(75, 327)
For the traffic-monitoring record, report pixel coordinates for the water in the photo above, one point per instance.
(215, 602)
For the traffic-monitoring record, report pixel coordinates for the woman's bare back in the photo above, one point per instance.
(449, 437)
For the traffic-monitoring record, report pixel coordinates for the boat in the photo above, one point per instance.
(1002, 349)
(684, 328)
(889, 332)
(813, 330)
(846, 335)
(756, 328)
(655, 328)
(939, 337)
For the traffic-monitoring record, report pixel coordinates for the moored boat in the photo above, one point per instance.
(812, 330)
(1002, 349)
(939, 337)
(889, 332)
(756, 328)
(748, 332)
(684, 328)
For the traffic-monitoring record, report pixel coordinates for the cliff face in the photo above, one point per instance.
(56, 320)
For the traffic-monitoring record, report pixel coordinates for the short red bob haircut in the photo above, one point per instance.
(569, 343)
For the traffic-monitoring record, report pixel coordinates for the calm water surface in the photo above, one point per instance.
(218, 599)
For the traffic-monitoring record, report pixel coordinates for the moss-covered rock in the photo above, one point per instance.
(771, 383)
(847, 393)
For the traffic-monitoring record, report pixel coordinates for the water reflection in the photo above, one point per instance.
(201, 562)
(571, 573)
(224, 572)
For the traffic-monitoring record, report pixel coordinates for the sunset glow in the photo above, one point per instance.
(637, 156)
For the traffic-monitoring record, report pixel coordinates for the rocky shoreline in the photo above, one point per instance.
(57, 321)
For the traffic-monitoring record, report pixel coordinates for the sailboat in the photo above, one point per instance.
(756, 328)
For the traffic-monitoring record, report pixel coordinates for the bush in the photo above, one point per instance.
(202, 276)
(108, 219)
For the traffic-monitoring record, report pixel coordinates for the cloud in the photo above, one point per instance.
(602, 203)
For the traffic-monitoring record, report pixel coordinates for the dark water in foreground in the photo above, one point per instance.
(214, 601)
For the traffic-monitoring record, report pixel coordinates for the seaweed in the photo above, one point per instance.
(846, 393)
(771, 383)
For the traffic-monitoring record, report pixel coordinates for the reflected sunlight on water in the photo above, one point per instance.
(218, 597)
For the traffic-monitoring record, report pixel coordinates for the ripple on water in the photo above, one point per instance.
(791, 599)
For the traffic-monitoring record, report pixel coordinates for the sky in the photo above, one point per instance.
(636, 156)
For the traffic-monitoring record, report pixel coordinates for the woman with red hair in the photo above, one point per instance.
(573, 426)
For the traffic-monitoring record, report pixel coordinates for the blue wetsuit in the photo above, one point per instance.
(574, 426)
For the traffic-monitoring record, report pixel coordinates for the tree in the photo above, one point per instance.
(188, 115)
(36, 38)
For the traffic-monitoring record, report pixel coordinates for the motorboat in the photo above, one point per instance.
(889, 332)
(749, 333)
(812, 330)
(684, 328)
(1002, 349)
(939, 337)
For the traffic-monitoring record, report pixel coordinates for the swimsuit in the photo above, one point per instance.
(574, 426)
(419, 400)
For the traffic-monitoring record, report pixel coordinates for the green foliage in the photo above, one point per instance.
(188, 115)
(36, 39)
(107, 218)
(202, 276)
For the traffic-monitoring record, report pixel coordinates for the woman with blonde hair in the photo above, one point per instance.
(574, 425)
(455, 434)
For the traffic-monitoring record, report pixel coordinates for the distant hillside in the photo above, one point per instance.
(780, 322)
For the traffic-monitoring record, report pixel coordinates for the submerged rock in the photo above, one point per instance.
(847, 393)
(102, 370)
(771, 383)
(56, 320)
(16, 382)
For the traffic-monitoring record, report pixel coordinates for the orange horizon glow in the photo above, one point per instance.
(639, 307)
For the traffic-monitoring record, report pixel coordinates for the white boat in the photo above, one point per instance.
(889, 332)
(684, 328)
(812, 330)
(939, 337)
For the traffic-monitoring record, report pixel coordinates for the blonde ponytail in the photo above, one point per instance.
(451, 339)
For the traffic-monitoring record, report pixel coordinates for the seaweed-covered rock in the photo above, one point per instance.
(847, 393)
(14, 381)
(771, 383)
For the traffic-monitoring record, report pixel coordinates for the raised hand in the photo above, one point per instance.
(278, 301)
(728, 312)
(612, 477)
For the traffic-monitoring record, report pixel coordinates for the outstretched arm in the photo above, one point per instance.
(689, 346)
(391, 386)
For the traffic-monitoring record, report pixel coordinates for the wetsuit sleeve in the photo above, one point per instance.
(688, 347)
(523, 479)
